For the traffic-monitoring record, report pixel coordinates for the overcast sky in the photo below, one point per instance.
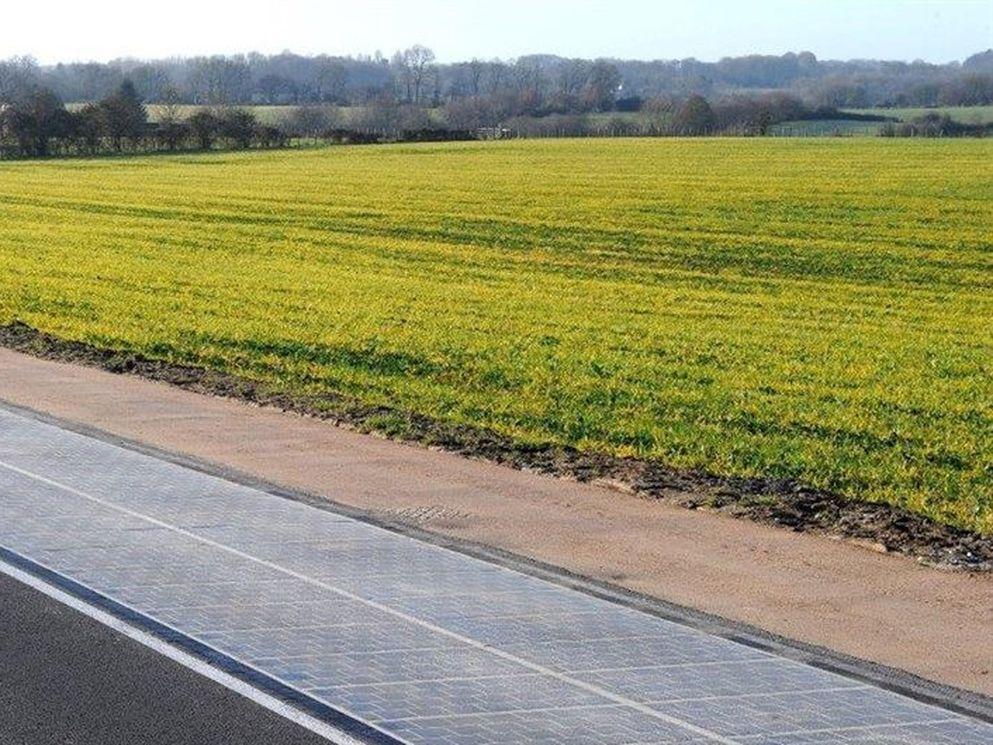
(69, 30)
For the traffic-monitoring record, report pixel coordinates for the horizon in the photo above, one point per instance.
(891, 30)
(445, 61)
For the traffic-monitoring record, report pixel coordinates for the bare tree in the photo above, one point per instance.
(573, 76)
(35, 121)
(124, 115)
(219, 80)
(695, 117)
(658, 114)
(382, 116)
(310, 121)
(89, 128)
(403, 75)
(413, 67)
(600, 92)
(170, 130)
(476, 69)
(204, 126)
(18, 75)
(239, 127)
(498, 75)
(529, 85)
(421, 60)
(150, 80)
(470, 113)
(332, 81)
(169, 104)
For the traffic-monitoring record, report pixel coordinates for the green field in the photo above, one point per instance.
(826, 128)
(963, 114)
(815, 309)
(273, 115)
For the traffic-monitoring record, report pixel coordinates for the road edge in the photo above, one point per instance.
(337, 726)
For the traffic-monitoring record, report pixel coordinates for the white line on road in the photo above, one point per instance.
(177, 655)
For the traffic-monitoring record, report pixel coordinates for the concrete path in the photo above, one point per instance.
(391, 639)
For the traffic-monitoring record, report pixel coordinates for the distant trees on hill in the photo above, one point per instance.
(410, 95)
(587, 99)
(528, 86)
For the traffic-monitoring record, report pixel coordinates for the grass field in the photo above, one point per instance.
(963, 114)
(274, 115)
(825, 128)
(271, 115)
(814, 309)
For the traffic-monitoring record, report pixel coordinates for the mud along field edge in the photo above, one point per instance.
(817, 312)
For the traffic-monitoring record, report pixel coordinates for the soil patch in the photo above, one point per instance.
(780, 502)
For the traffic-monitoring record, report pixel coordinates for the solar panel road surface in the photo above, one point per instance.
(390, 639)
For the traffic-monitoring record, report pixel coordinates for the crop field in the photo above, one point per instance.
(820, 310)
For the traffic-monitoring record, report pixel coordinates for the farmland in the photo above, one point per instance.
(818, 310)
(272, 115)
(826, 128)
(266, 114)
(962, 114)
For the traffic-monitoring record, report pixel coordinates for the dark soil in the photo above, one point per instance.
(775, 501)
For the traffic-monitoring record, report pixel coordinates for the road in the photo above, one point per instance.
(68, 678)
(391, 639)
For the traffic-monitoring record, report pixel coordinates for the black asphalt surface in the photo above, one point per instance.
(66, 679)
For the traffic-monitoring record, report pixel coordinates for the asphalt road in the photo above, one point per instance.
(69, 680)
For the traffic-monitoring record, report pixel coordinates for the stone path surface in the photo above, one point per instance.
(416, 643)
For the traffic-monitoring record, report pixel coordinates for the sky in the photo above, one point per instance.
(74, 30)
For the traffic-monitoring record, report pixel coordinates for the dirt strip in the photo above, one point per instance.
(883, 608)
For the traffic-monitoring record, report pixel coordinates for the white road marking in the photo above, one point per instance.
(271, 703)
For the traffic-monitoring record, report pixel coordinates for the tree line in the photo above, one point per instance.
(935, 125)
(533, 85)
(37, 124)
(388, 120)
